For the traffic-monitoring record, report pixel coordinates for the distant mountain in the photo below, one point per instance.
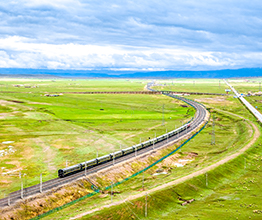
(47, 73)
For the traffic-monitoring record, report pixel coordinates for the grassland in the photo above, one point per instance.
(69, 85)
(48, 132)
(232, 133)
(233, 190)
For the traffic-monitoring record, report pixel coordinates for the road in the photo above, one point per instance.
(253, 110)
(200, 116)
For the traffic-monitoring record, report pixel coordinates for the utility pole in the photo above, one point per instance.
(8, 201)
(163, 116)
(22, 190)
(213, 141)
(41, 186)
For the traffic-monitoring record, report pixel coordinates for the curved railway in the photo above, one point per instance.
(57, 182)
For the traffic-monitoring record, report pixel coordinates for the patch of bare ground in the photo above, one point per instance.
(7, 103)
(39, 103)
(5, 115)
(214, 100)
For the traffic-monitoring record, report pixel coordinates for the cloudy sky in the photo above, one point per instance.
(130, 35)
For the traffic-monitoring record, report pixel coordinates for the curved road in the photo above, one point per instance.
(48, 185)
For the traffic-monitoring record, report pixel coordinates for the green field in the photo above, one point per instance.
(70, 85)
(46, 133)
(232, 133)
(94, 123)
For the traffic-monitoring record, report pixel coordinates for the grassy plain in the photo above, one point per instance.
(40, 134)
(232, 133)
(71, 85)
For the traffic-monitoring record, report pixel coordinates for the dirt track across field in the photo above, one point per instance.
(185, 178)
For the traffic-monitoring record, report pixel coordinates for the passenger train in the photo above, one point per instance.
(103, 159)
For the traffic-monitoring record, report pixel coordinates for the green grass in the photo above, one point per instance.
(71, 85)
(48, 131)
(231, 191)
(231, 135)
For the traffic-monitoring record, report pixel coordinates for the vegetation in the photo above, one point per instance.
(230, 191)
(232, 133)
(40, 134)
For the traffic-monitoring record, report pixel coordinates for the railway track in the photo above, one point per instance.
(58, 182)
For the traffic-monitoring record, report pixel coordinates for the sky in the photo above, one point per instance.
(131, 35)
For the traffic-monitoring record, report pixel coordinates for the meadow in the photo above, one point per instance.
(233, 189)
(231, 134)
(41, 134)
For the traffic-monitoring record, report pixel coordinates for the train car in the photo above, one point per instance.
(88, 164)
(128, 150)
(104, 159)
(138, 146)
(146, 144)
(69, 170)
(117, 154)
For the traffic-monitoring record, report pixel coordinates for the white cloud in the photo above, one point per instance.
(21, 53)
(130, 34)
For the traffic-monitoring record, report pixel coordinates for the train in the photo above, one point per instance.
(109, 157)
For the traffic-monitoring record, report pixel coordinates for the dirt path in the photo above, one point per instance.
(183, 179)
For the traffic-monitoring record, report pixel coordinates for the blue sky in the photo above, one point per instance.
(131, 35)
